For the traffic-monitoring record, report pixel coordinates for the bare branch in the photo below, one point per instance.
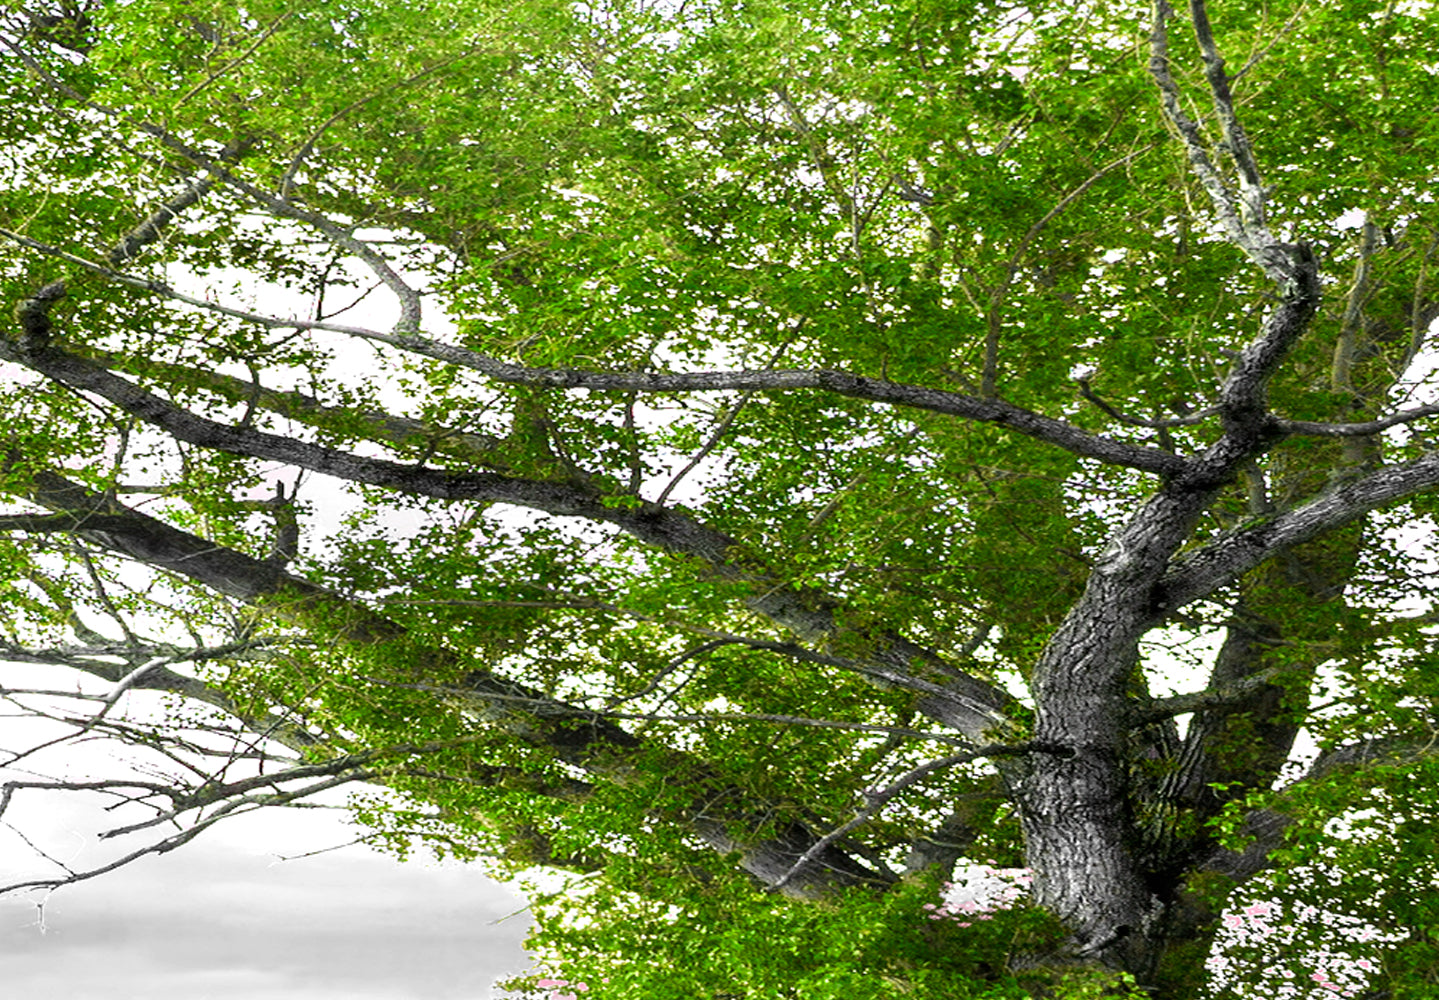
(154, 674)
(239, 807)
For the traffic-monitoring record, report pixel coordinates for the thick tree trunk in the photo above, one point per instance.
(1077, 811)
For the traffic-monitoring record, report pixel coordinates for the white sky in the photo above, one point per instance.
(222, 918)
(226, 916)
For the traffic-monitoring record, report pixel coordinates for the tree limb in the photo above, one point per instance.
(876, 799)
(994, 411)
(1211, 566)
(1232, 693)
(1243, 219)
(1365, 429)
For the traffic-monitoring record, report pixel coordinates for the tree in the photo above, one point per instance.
(803, 436)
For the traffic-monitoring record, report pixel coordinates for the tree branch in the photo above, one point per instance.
(1233, 693)
(876, 799)
(1265, 828)
(1188, 420)
(1341, 370)
(1236, 141)
(577, 736)
(1312, 429)
(377, 425)
(1243, 220)
(1201, 572)
(157, 676)
(1047, 429)
(993, 317)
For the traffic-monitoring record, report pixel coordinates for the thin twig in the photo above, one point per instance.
(264, 35)
(1188, 420)
(876, 799)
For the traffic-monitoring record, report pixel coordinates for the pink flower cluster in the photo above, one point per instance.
(1322, 978)
(979, 892)
(1252, 916)
(555, 985)
(1260, 922)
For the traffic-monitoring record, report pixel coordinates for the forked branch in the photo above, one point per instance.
(1242, 215)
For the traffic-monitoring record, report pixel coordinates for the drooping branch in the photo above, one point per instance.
(576, 735)
(973, 707)
(233, 807)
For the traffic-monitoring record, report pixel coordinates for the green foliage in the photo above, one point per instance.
(952, 197)
(725, 939)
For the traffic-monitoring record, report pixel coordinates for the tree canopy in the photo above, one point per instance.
(759, 457)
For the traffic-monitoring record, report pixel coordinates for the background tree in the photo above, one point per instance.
(802, 438)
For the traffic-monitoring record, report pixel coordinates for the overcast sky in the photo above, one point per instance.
(223, 919)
